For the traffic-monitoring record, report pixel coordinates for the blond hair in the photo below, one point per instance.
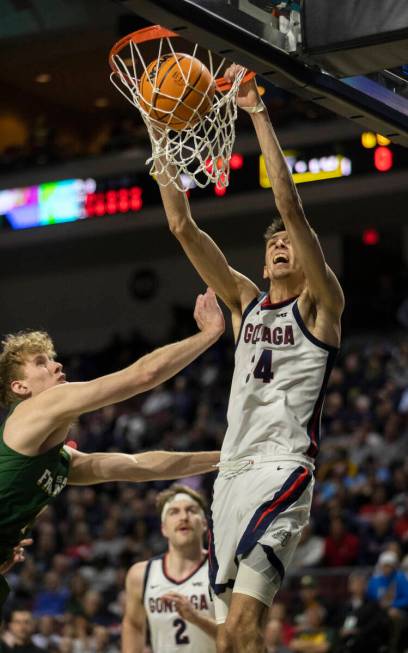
(16, 348)
(171, 492)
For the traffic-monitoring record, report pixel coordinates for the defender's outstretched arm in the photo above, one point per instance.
(94, 468)
(37, 417)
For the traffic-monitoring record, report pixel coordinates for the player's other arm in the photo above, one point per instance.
(235, 290)
(134, 620)
(191, 614)
(322, 283)
(93, 468)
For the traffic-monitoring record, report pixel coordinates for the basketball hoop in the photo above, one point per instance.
(202, 148)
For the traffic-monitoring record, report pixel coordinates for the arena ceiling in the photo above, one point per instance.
(67, 40)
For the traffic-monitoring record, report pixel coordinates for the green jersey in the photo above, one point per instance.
(27, 485)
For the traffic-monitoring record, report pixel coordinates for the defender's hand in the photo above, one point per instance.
(18, 556)
(208, 314)
(182, 604)
(248, 95)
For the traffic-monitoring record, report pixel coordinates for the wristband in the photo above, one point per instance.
(257, 109)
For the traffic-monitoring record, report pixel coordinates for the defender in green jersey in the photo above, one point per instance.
(35, 465)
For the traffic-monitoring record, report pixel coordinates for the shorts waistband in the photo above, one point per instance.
(234, 466)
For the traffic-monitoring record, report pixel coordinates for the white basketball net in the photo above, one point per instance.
(200, 152)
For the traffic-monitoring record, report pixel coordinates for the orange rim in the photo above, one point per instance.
(223, 85)
(140, 36)
(158, 32)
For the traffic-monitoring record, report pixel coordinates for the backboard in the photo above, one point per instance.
(268, 36)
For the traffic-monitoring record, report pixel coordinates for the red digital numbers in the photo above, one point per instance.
(113, 202)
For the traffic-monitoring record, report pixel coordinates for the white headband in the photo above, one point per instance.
(180, 496)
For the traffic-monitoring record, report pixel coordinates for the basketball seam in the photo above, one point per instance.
(156, 95)
(190, 90)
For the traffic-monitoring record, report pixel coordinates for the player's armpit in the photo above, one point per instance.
(323, 285)
(134, 620)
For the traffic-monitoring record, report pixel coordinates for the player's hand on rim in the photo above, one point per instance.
(248, 95)
(208, 314)
(182, 605)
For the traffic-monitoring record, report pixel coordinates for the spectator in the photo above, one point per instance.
(93, 609)
(18, 637)
(110, 544)
(308, 597)
(78, 586)
(274, 637)
(389, 587)
(364, 625)
(46, 636)
(313, 636)
(375, 537)
(52, 599)
(278, 612)
(100, 641)
(341, 546)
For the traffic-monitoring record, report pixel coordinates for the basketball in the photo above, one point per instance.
(176, 90)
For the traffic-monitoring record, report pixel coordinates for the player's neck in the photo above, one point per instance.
(182, 562)
(282, 289)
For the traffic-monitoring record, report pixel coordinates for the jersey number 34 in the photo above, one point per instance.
(263, 368)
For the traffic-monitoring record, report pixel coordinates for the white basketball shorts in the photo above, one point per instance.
(258, 514)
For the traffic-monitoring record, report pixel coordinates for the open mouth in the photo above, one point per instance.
(280, 258)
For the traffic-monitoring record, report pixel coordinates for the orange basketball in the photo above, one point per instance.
(176, 90)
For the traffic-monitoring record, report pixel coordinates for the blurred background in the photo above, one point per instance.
(86, 255)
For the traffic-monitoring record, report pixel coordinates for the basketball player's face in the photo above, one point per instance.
(184, 523)
(39, 373)
(280, 260)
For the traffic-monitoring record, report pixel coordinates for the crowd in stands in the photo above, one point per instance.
(347, 589)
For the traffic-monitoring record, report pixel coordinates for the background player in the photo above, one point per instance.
(170, 593)
(34, 464)
(287, 340)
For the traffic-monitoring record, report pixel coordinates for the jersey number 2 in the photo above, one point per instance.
(263, 368)
(181, 627)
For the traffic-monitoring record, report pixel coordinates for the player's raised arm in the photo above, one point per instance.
(134, 620)
(34, 419)
(322, 284)
(235, 290)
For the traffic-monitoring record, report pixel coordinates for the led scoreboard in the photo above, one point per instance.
(69, 200)
(66, 201)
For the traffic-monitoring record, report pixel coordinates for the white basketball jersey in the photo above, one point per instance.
(168, 631)
(278, 387)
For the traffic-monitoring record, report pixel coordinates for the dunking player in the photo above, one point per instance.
(170, 593)
(34, 464)
(286, 341)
